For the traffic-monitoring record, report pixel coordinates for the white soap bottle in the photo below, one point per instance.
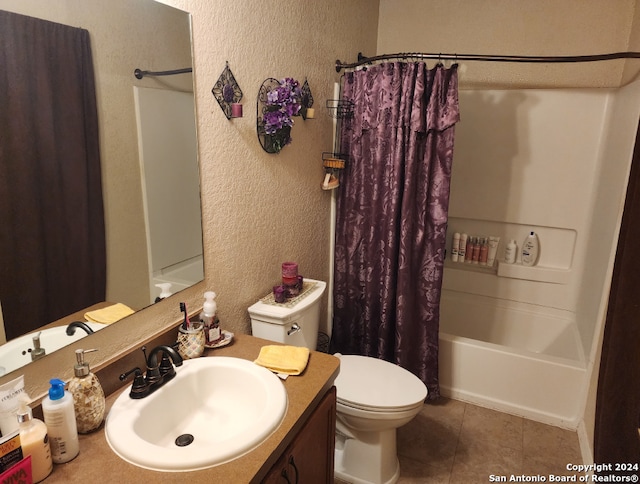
(88, 396)
(510, 252)
(34, 441)
(208, 317)
(530, 250)
(60, 418)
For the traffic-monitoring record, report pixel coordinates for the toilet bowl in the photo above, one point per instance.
(374, 398)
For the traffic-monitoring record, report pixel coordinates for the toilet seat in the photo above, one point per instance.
(377, 386)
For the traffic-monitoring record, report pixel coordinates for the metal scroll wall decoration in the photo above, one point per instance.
(228, 94)
(306, 100)
(278, 102)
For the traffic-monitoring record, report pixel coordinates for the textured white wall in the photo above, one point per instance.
(262, 209)
(543, 27)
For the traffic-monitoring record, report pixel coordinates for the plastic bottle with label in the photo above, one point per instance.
(208, 317)
(462, 250)
(530, 250)
(455, 247)
(60, 418)
(34, 441)
(510, 252)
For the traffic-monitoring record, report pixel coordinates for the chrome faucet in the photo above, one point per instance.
(37, 351)
(71, 329)
(157, 373)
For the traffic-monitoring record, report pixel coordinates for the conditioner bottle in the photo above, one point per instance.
(60, 418)
(34, 442)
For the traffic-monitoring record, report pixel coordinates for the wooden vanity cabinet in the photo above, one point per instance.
(309, 457)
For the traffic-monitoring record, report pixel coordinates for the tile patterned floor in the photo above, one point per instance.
(452, 442)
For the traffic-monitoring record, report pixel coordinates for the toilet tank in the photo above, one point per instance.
(294, 322)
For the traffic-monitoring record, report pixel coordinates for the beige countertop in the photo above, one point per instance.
(98, 463)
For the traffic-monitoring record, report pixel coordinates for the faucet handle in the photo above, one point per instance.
(139, 389)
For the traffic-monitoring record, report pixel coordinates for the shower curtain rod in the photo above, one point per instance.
(140, 73)
(362, 60)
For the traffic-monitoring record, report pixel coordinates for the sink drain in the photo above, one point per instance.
(184, 440)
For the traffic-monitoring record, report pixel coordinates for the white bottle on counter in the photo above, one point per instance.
(60, 418)
(510, 252)
(530, 250)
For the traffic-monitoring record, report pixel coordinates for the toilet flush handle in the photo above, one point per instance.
(295, 327)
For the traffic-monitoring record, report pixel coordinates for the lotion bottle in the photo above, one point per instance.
(510, 252)
(60, 418)
(34, 441)
(88, 396)
(530, 250)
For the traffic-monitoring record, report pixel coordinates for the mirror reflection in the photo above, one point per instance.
(126, 218)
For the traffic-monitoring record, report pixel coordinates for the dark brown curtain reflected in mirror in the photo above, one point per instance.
(51, 207)
(617, 440)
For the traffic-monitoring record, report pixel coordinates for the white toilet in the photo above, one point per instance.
(374, 397)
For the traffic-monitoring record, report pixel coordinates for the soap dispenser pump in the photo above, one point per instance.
(211, 322)
(88, 395)
(165, 291)
(34, 441)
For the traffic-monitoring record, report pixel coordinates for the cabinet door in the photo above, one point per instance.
(309, 458)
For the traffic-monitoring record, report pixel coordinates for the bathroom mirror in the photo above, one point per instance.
(125, 35)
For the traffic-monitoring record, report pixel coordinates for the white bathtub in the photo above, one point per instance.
(518, 358)
(182, 275)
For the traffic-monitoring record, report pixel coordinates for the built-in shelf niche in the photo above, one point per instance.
(557, 247)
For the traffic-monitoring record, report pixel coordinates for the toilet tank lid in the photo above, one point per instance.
(285, 311)
(372, 382)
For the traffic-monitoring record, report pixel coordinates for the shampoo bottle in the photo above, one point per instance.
(88, 396)
(208, 317)
(34, 441)
(530, 250)
(60, 418)
(455, 247)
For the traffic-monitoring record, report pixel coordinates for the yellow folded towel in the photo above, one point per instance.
(290, 360)
(108, 315)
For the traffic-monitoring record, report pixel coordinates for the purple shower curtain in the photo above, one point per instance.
(392, 214)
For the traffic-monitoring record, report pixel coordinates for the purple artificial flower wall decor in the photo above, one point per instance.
(281, 104)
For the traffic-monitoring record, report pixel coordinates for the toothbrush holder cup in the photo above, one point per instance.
(191, 341)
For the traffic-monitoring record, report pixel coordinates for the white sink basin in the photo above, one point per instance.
(17, 352)
(227, 405)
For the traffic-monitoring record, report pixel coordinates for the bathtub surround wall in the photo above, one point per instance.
(555, 162)
(167, 148)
